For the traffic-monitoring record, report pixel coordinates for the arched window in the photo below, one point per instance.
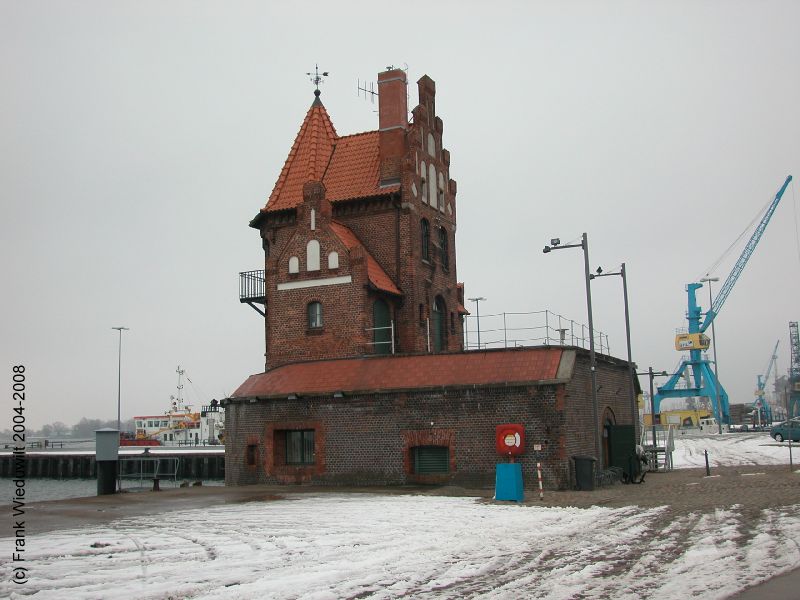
(312, 255)
(443, 250)
(314, 315)
(333, 260)
(423, 174)
(431, 145)
(433, 200)
(294, 265)
(426, 239)
(439, 325)
(382, 327)
(441, 192)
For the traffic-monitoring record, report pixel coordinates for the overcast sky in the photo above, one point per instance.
(139, 139)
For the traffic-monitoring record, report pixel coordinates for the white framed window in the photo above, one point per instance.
(432, 185)
(312, 255)
(333, 260)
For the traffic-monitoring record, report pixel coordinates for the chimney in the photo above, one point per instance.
(392, 122)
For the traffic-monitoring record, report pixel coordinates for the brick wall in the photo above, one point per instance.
(367, 439)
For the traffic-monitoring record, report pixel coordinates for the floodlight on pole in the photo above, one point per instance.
(555, 244)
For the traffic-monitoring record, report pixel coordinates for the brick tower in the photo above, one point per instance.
(359, 237)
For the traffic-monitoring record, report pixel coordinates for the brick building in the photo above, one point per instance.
(366, 379)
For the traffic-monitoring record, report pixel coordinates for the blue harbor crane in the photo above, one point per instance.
(762, 409)
(704, 381)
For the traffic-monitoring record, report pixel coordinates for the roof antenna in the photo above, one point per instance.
(316, 78)
(371, 91)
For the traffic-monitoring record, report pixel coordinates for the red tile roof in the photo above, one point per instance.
(387, 373)
(377, 276)
(354, 169)
(348, 166)
(307, 159)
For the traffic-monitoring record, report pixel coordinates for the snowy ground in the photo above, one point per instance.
(732, 449)
(373, 546)
(331, 546)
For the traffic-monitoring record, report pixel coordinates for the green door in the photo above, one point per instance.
(622, 448)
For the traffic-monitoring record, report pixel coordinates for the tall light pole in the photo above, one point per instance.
(119, 376)
(477, 302)
(714, 344)
(555, 244)
(621, 273)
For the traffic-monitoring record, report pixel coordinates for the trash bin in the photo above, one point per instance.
(584, 472)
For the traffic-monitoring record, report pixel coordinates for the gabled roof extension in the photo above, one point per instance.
(377, 276)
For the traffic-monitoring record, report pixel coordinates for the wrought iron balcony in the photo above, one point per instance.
(251, 289)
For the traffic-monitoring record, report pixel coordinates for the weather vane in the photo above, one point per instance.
(316, 78)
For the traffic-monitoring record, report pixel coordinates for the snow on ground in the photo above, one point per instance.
(332, 546)
(732, 449)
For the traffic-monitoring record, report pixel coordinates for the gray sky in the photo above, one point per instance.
(138, 140)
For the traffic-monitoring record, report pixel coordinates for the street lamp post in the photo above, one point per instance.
(477, 302)
(119, 376)
(555, 244)
(622, 273)
(714, 343)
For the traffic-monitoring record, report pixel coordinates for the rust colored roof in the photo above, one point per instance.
(375, 273)
(386, 373)
(307, 159)
(348, 166)
(354, 169)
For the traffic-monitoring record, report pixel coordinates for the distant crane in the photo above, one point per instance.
(760, 404)
(793, 403)
(695, 340)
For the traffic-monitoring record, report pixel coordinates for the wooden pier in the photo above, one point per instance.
(193, 464)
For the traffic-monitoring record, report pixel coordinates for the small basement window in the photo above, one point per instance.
(430, 459)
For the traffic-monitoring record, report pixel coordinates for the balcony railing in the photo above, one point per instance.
(251, 287)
